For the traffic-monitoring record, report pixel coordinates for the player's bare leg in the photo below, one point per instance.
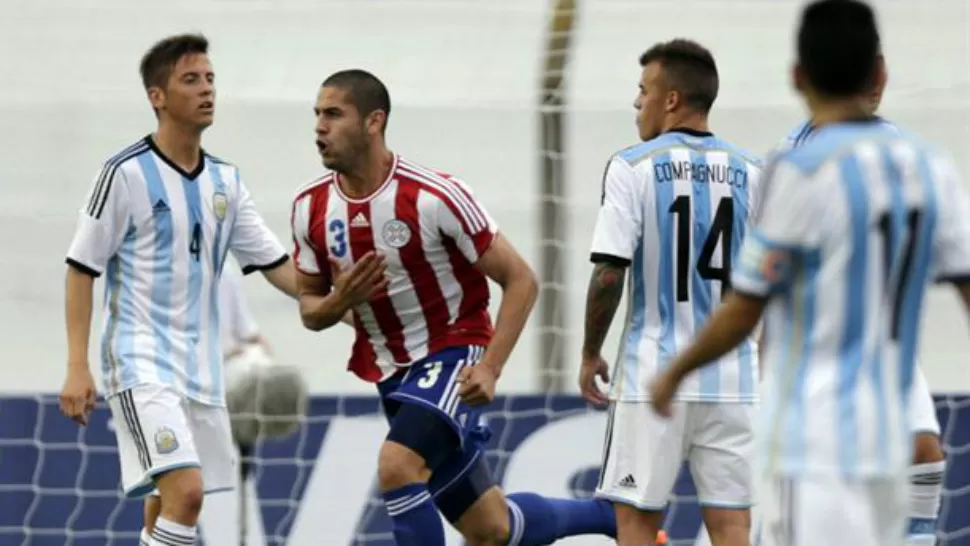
(180, 497)
(926, 484)
(152, 509)
(728, 526)
(486, 523)
(635, 527)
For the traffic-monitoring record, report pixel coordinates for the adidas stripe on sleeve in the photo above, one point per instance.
(102, 223)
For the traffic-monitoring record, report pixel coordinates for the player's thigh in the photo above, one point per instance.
(721, 437)
(153, 434)
(433, 421)
(803, 511)
(218, 457)
(922, 409)
(462, 479)
(642, 455)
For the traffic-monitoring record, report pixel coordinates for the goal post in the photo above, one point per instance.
(552, 328)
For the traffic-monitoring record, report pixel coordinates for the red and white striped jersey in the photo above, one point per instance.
(432, 231)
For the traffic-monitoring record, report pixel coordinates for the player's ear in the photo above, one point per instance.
(376, 121)
(156, 96)
(673, 100)
(798, 78)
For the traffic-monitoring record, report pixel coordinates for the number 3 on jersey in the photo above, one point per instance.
(722, 230)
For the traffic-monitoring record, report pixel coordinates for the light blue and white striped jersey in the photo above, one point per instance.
(805, 130)
(676, 209)
(161, 236)
(856, 221)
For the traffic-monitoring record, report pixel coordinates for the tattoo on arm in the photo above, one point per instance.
(602, 299)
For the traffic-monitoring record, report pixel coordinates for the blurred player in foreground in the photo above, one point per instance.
(159, 220)
(674, 211)
(926, 472)
(410, 251)
(855, 223)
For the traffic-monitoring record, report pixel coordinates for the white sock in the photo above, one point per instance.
(926, 489)
(145, 539)
(169, 533)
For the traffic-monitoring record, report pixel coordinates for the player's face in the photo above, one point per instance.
(189, 95)
(650, 101)
(341, 133)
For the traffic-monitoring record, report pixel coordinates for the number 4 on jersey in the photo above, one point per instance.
(722, 230)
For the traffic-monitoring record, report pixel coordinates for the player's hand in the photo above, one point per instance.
(477, 385)
(359, 283)
(590, 369)
(662, 391)
(77, 396)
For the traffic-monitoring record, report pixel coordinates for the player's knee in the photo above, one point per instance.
(181, 494)
(398, 465)
(927, 448)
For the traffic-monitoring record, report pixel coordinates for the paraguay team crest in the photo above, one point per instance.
(396, 233)
(219, 204)
(165, 441)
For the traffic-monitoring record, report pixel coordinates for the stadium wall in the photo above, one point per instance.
(464, 77)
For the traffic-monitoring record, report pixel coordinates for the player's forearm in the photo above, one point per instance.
(518, 297)
(79, 291)
(602, 299)
(321, 312)
(730, 325)
(283, 277)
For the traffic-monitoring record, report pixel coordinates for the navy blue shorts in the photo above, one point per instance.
(433, 383)
(462, 476)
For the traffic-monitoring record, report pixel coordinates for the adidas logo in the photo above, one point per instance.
(359, 221)
(628, 481)
(160, 206)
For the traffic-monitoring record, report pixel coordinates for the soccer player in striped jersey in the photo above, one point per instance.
(674, 212)
(929, 464)
(409, 250)
(159, 221)
(856, 222)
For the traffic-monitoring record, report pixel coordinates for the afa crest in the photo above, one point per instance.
(165, 441)
(220, 203)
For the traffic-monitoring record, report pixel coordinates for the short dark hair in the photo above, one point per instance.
(366, 92)
(839, 46)
(689, 68)
(159, 61)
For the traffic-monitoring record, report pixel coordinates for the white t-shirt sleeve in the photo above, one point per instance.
(951, 256)
(620, 218)
(462, 218)
(253, 244)
(102, 223)
(787, 228)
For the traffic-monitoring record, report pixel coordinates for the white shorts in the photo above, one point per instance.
(922, 409)
(158, 430)
(644, 453)
(814, 510)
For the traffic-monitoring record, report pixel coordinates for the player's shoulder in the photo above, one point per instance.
(127, 157)
(836, 141)
(640, 152)
(738, 152)
(443, 184)
(316, 186)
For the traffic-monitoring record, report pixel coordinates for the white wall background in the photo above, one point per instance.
(463, 76)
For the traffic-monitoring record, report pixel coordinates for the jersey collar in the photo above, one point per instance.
(190, 175)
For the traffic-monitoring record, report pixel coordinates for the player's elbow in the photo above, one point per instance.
(525, 278)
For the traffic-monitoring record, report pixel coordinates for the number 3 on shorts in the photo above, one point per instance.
(432, 371)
